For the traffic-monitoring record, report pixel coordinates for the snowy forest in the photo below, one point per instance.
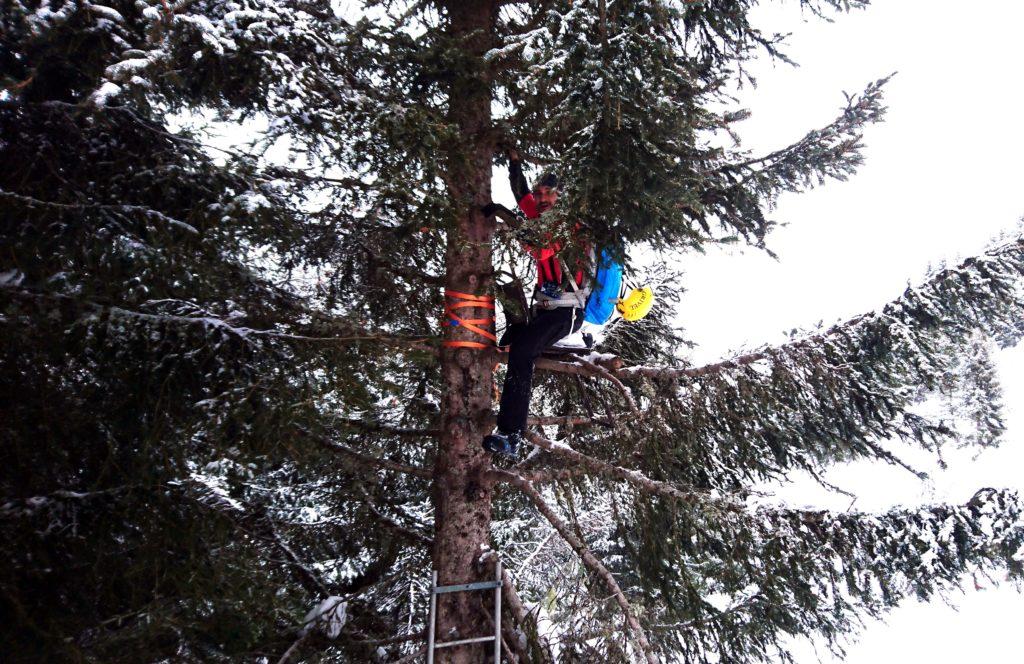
(235, 426)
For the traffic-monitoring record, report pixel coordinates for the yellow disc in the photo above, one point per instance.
(637, 304)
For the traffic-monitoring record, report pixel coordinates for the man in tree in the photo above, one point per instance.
(557, 312)
(220, 413)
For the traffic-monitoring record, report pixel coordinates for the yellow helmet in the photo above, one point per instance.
(636, 304)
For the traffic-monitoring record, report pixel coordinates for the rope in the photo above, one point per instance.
(451, 318)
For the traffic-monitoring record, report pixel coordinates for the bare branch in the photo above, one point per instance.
(578, 366)
(523, 618)
(380, 427)
(369, 459)
(607, 469)
(588, 558)
(610, 377)
(147, 212)
(293, 649)
(568, 421)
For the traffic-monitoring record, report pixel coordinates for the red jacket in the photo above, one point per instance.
(548, 265)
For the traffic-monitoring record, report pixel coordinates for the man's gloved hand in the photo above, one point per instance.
(551, 289)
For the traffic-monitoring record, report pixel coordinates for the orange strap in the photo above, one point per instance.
(465, 301)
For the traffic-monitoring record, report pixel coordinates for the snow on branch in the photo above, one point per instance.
(989, 286)
(837, 393)
(745, 575)
(146, 212)
(590, 560)
(596, 466)
(256, 521)
(369, 459)
(210, 322)
(832, 151)
(834, 394)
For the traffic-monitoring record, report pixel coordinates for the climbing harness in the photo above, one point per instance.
(452, 319)
(581, 295)
(436, 590)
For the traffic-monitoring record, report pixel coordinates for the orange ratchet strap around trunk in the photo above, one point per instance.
(464, 301)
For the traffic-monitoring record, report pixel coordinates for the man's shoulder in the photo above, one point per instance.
(528, 204)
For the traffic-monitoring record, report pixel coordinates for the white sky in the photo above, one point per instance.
(941, 178)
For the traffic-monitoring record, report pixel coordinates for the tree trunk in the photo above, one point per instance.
(462, 497)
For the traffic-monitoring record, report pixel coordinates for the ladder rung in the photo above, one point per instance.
(436, 590)
(462, 642)
(483, 585)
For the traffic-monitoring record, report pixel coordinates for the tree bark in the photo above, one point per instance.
(462, 485)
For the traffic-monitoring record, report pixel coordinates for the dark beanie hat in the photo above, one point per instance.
(547, 180)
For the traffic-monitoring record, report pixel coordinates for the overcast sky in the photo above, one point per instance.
(942, 177)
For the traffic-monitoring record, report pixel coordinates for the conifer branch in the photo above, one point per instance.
(294, 648)
(604, 373)
(590, 560)
(570, 421)
(997, 270)
(606, 469)
(523, 617)
(213, 322)
(380, 427)
(411, 657)
(258, 523)
(369, 459)
(394, 525)
(832, 150)
(552, 475)
(401, 271)
(147, 212)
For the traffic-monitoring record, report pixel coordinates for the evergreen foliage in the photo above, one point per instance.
(223, 392)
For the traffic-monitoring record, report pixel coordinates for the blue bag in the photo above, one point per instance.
(606, 291)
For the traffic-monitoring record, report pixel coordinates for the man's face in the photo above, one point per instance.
(546, 197)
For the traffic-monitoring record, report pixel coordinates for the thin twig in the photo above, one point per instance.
(596, 566)
(371, 460)
(294, 648)
(607, 469)
(567, 421)
(411, 657)
(610, 377)
(380, 427)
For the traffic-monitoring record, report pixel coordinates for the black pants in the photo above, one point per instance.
(546, 328)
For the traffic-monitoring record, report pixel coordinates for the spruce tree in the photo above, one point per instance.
(233, 430)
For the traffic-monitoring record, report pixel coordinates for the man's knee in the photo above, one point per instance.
(522, 354)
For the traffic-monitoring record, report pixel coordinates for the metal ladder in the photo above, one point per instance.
(436, 590)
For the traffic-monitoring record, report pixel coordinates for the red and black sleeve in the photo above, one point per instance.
(517, 180)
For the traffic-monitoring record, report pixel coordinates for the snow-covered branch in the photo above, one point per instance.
(146, 212)
(257, 522)
(832, 151)
(226, 326)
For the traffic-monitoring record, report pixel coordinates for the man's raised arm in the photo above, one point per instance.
(516, 179)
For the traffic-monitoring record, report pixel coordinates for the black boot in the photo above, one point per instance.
(504, 444)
